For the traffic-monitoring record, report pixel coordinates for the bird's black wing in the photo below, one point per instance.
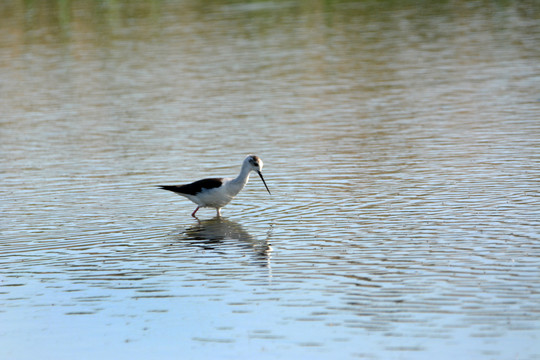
(195, 187)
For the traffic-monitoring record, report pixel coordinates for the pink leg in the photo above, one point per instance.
(193, 214)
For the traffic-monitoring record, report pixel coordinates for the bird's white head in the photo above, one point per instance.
(256, 164)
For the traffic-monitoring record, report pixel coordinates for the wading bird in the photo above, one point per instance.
(218, 192)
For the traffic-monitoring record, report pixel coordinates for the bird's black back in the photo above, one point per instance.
(195, 187)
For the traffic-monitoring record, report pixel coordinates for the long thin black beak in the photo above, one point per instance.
(264, 182)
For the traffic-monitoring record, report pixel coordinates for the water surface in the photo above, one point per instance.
(401, 145)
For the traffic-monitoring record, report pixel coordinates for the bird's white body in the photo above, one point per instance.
(217, 197)
(218, 192)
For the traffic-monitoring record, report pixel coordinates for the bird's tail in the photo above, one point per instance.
(173, 188)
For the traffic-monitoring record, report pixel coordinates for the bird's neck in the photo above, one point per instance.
(242, 178)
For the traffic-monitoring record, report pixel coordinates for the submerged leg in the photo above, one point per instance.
(193, 214)
(218, 212)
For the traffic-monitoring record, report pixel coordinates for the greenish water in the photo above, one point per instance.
(401, 143)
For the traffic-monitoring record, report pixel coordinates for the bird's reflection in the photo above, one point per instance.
(218, 233)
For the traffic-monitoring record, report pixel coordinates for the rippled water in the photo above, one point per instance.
(401, 145)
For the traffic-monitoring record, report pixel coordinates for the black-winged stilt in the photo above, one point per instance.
(218, 192)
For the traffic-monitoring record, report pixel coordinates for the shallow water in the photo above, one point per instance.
(401, 145)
